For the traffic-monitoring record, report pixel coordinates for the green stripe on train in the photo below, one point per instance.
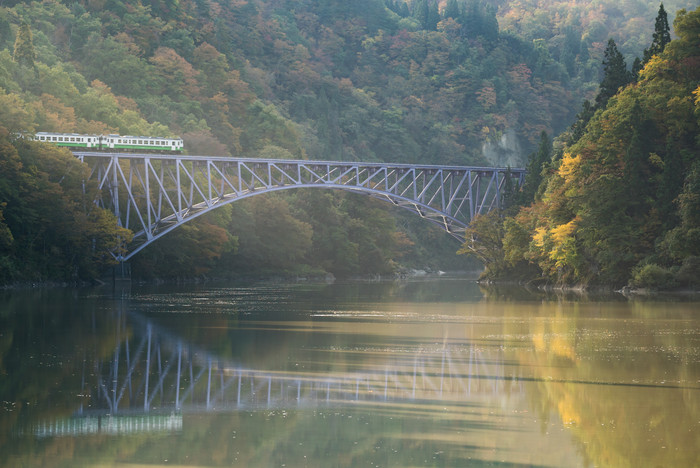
(149, 147)
(104, 146)
(70, 143)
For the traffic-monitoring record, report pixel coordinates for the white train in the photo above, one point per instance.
(111, 142)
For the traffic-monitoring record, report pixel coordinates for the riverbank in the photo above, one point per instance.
(595, 290)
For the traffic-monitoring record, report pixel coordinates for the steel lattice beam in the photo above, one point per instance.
(153, 194)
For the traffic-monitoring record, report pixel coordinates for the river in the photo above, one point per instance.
(430, 372)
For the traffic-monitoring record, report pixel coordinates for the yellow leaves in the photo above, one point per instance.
(539, 236)
(654, 67)
(563, 231)
(557, 244)
(569, 166)
(555, 237)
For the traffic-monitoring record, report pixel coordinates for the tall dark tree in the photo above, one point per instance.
(24, 53)
(579, 126)
(421, 12)
(637, 66)
(662, 35)
(5, 29)
(671, 184)
(537, 161)
(433, 17)
(509, 195)
(637, 175)
(615, 75)
(452, 9)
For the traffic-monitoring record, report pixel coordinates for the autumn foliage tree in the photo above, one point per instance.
(619, 206)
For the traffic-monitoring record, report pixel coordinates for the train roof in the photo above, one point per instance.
(69, 134)
(112, 135)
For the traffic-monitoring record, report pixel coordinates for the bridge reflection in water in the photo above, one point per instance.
(153, 377)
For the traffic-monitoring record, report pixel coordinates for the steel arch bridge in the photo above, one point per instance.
(153, 194)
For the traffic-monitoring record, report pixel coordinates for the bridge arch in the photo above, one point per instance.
(154, 194)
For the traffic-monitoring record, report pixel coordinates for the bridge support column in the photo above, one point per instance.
(121, 272)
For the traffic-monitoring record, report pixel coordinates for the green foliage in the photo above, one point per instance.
(485, 241)
(652, 276)
(688, 274)
(49, 227)
(622, 202)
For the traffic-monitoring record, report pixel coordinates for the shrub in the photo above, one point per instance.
(689, 272)
(652, 276)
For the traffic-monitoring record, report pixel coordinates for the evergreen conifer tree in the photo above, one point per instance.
(661, 37)
(433, 17)
(637, 171)
(615, 75)
(24, 46)
(536, 163)
(452, 10)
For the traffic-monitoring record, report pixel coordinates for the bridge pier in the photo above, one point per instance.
(121, 272)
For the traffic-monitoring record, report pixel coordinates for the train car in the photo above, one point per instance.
(111, 142)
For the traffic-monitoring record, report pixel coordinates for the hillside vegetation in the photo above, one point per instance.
(619, 202)
(454, 82)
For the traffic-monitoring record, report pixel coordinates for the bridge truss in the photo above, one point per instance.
(153, 194)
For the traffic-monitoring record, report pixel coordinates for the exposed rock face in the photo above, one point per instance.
(506, 151)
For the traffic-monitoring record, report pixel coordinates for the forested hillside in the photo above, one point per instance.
(619, 202)
(449, 82)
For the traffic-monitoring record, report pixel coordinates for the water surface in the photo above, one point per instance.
(436, 372)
